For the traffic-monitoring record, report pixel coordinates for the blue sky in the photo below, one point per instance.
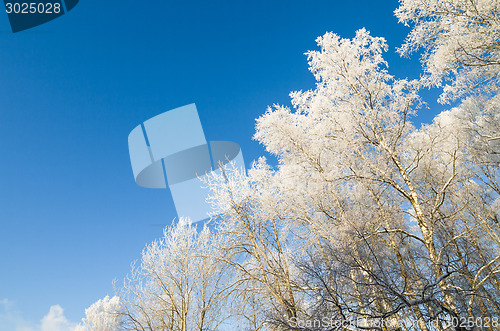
(72, 218)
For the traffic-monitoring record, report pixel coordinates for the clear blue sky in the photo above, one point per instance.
(71, 216)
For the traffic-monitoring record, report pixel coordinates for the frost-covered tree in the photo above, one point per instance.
(461, 39)
(345, 146)
(258, 246)
(179, 285)
(392, 218)
(104, 315)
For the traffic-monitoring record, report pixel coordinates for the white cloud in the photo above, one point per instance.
(56, 321)
(11, 319)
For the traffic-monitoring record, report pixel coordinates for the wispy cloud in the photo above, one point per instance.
(11, 319)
